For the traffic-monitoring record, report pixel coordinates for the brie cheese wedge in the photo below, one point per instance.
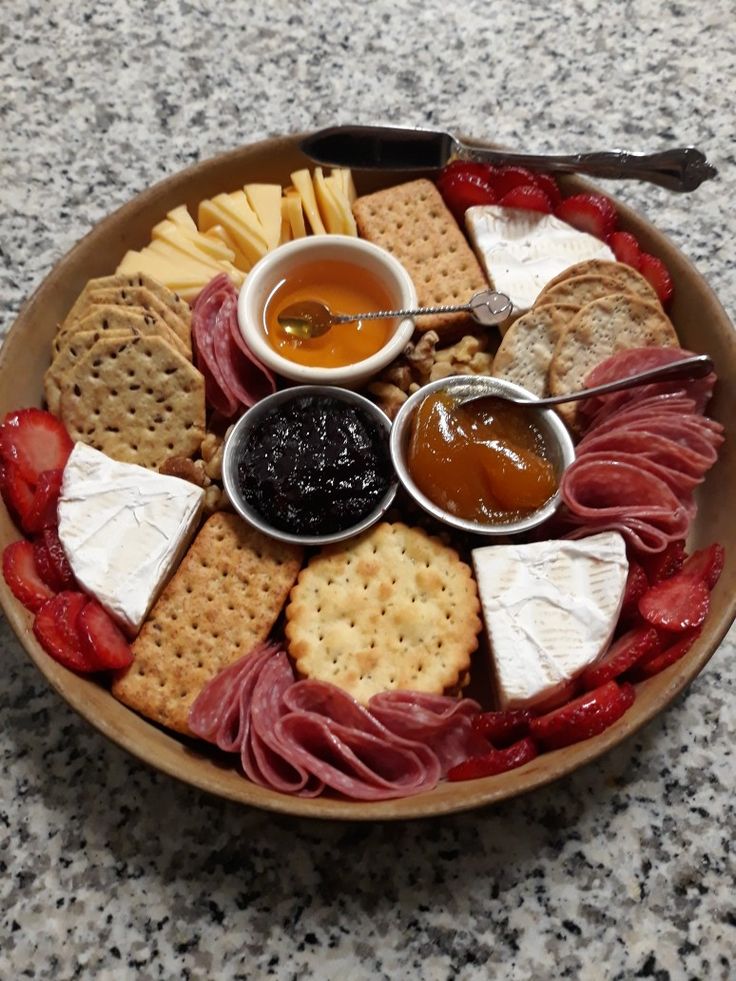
(550, 610)
(123, 529)
(522, 251)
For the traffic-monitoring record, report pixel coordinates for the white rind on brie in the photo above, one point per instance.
(124, 529)
(522, 250)
(550, 610)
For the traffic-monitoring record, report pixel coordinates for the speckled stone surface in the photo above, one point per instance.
(108, 870)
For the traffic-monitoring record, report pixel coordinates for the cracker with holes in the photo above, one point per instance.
(222, 601)
(391, 609)
(526, 350)
(107, 318)
(136, 399)
(625, 277)
(413, 223)
(140, 296)
(580, 290)
(74, 347)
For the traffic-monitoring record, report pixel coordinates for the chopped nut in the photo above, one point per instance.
(389, 397)
(212, 450)
(215, 499)
(186, 469)
(442, 370)
(421, 355)
(210, 445)
(397, 374)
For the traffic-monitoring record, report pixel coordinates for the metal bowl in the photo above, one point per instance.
(560, 449)
(237, 439)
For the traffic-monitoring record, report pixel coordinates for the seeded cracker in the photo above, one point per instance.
(222, 601)
(620, 277)
(527, 347)
(600, 329)
(412, 222)
(140, 296)
(109, 317)
(75, 346)
(136, 399)
(391, 609)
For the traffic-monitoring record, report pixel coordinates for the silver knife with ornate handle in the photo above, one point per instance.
(399, 148)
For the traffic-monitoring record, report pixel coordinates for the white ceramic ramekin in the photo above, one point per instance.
(277, 265)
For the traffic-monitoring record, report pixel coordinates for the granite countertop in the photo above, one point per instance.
(110, 870)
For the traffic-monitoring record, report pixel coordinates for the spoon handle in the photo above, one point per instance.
(487, 308)
(678, 169)
(695, 367)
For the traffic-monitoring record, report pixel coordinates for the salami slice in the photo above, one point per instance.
(204, 315)
(653, 446)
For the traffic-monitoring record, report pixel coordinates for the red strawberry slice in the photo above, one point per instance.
(507, 178)
(103, 643)
(560, 697)
(463, 191)
(657, 275)
(42, 512)
(584, 717)
(17, 493)
(51, 561)
(35, 441)
(21, 575)
(676, 604)
(55, 630)
(663, 565)
(636, 585)
(706, 565)
(649, 666)
(622, 655)
(503, 728)
(527, 196)
(549, 185)
(497, 761)
(483, 170)
(626, 248)
(590, 213)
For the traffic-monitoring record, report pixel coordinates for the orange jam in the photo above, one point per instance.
(345, 288)
(483, 461)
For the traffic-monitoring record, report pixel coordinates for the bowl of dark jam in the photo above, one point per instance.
(485, 466)
(311, 465)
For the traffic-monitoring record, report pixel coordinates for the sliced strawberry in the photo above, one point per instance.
(35, 441)
(649, 666)
(626, 248)
(485, 171)
(527, 196)
(676, 604)
(706, 565)
(497, 761)
(102, 641)
(507, 178)
(622, 655)
(42, 512)
(663, 565)
(584, 717)
(503, 728)
(636, 585)
(51, 561)
(560, 697)
(657, 275)
(590, 213)
(463, 191)
(55, 630)
(21, 575)
(17, 493)
(549, 185)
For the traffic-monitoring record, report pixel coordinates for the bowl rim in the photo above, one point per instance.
(249, 321)
(172, 755)
(399, 438)
(252, 416)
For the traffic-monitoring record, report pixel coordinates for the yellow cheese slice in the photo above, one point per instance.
(303, 184)
(346, 176)
(292, 204)
(233, 216)
(175, 254)
(192, 243)
(337, 187)
(265, 200)
(328, 208)
(178, 277)
(219, 234)
(181, 216)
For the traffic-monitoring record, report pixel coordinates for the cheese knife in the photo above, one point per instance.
(400, 148)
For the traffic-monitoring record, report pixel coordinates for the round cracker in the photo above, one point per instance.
(391, 609)
(581, 290)
(600, 329)
(625, 278)
(526, 350)
(136, 399)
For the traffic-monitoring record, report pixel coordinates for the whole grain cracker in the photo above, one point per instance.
(613, 323)
(140, 296)
(75, 345)
(136, 399)
(391, 609)
(165, 295)
(109, 317)
(222, 601)
(412, 222)
(624, 278)
(526, 350)
(581, 290)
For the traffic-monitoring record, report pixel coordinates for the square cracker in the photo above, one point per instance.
(412, 222)
(222, 601)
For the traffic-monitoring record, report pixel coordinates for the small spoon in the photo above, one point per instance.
(697, 366)
(310, 318)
